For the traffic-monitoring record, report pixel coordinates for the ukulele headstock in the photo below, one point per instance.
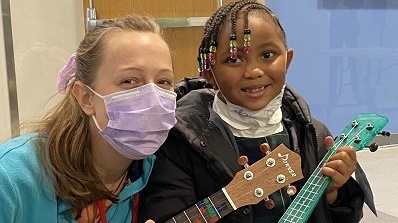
(277, 169)
(361, 131)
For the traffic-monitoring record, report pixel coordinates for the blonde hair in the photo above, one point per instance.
(64, 139)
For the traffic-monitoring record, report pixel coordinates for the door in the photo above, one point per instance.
(183, 41)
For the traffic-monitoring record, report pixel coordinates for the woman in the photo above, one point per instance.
(91, 154)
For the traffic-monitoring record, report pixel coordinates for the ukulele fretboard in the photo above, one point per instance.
(210, 209)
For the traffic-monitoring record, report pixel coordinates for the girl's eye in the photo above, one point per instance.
(267, 55)
(237, 60)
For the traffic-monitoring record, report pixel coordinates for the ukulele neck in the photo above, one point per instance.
(209, 209)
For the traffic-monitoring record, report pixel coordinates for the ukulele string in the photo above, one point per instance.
(349, 143)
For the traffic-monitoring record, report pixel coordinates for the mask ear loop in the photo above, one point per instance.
(96, 122)
(214, 77)
(93, 116)
(94, 92)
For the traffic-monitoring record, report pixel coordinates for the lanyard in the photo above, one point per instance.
(102, 210)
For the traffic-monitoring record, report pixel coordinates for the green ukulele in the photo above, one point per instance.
(358, 134)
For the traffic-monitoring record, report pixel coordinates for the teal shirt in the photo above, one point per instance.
(26, 197)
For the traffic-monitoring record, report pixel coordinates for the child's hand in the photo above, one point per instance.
(339, 167)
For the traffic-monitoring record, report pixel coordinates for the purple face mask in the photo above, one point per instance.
(139, 119)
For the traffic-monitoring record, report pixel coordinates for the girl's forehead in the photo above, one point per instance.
(255, 23)
(240, 21)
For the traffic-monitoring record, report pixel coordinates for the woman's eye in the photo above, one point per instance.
(165, 82)
(268, 55)
(129, 81)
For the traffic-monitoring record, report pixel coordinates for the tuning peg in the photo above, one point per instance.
(264, 147)
(269, 203)
(291, 190)
(384, 133)
(373, 147)
(243, 160)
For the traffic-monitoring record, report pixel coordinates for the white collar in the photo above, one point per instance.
(251, 124)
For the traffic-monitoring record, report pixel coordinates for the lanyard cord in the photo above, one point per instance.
(101, 209)
(134, 219)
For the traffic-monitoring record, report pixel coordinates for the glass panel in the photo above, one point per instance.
(45, 33)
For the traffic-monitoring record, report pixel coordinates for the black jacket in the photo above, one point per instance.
(200, 157)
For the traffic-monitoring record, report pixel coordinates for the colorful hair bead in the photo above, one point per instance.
(199, 65)
(212, 51)
(205, 61)
(233, 49)
(247, 38)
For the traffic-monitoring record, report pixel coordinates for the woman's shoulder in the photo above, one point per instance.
(18, 158)
(20, 169)
(20, 144)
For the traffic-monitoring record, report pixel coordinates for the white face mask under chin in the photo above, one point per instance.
(251, 124)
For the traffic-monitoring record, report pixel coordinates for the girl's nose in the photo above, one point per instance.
(253, 72)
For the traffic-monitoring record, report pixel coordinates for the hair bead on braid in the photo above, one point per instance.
(246, 37)
(201, 62)
(199, 66)
(206, 65)
(246, 34)
(232, 40)
(233, 48)
(212, 52)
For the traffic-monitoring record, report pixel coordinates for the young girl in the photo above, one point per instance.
(245, 57)
(92, 153)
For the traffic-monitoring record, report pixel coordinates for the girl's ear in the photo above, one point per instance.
(289, 58)
(208, 75)
(83, 97)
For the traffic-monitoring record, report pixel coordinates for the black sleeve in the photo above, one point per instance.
(349, 203)
(170, 188)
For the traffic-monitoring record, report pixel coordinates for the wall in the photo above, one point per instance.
(346, 58)
(45, 34)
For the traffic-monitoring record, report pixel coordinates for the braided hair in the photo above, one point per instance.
(208, 45)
